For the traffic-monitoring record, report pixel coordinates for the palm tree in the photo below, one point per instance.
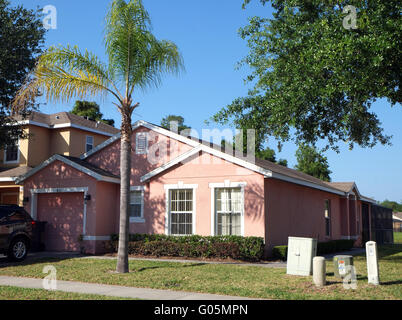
(137, 60)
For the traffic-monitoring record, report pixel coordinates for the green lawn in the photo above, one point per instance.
(398, 237)
(244, 281)
(16, 293)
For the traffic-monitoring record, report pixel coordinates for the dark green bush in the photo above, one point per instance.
(235, 247)
(281, 252)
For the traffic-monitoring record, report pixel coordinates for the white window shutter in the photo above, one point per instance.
(141, 145)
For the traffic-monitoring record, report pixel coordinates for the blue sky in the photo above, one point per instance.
(206, 34)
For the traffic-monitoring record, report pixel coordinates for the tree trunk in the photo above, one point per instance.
(125, 174)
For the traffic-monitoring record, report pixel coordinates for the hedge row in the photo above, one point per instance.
(281, 252)
(235, 247)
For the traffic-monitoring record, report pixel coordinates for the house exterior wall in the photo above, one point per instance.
(43, 143)
(38, 145)
(77, 141)
(295, 210)
(202, 171)
(59, 142)
(109, 158)
(107, 202)
(60, 175)
(23, 152)
(273, 209)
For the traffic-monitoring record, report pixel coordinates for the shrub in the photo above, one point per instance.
(281, 252)
(235, 247)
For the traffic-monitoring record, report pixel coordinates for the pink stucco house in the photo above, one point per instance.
(181, 186)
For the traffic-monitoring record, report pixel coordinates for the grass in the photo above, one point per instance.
(398, 237)
(246, 281)
(16, 293)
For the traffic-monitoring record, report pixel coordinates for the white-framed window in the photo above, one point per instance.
(141, 143)
(327, 215)
(12, 153)
(228, 206)
(89, 143)
(180, 215)
(181, 211)
(137, 204)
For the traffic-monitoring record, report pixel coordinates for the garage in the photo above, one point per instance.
(64, 214)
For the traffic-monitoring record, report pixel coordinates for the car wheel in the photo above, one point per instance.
(18, 250)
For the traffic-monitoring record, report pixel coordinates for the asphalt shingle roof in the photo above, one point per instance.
(13, 172)
(67, 117)
(91, 167)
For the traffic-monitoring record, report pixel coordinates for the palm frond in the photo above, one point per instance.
(137, 56)
(63, 73)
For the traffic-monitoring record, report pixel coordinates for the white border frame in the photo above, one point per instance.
(142, 218)
(180, 185)
(226, 184)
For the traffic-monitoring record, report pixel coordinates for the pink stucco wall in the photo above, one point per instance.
(295, 210)
(202, 171)
(109, 157)
(273, 209)
(100, 212)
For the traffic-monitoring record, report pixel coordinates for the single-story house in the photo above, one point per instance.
(397, 221)
(182, 186)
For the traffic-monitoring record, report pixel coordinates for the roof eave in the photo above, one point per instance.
(306, 183)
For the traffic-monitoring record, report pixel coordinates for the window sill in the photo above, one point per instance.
(137, 220)
(12, 162)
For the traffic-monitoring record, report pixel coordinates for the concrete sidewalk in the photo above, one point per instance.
(114, 291)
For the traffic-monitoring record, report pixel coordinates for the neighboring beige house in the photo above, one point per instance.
(397, 221)
(61, 133)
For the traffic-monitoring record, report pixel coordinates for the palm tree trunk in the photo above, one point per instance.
(125, 174)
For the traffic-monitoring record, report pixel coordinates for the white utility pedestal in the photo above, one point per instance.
(301, 252)
(372, 263)
(319, 271)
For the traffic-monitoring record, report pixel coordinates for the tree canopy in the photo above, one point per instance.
(21, 41)
(165, 122)
(90, 110)
(312, 162)
(315, 79)
(395, 206)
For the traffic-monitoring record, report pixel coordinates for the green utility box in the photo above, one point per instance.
(341, 264)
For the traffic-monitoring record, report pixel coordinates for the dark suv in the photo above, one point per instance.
(16, 231)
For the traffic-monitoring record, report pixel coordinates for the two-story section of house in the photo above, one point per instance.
(48, 134)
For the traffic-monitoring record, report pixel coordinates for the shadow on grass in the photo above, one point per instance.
(159, 267)
(34, 259)
(390, 283)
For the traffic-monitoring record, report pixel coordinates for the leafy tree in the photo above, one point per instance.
(165, 122)
(21, 40)
(260, 152)
(90, 110)
(315, 78)
(137, 60)
(312, 162)
(395, 206)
